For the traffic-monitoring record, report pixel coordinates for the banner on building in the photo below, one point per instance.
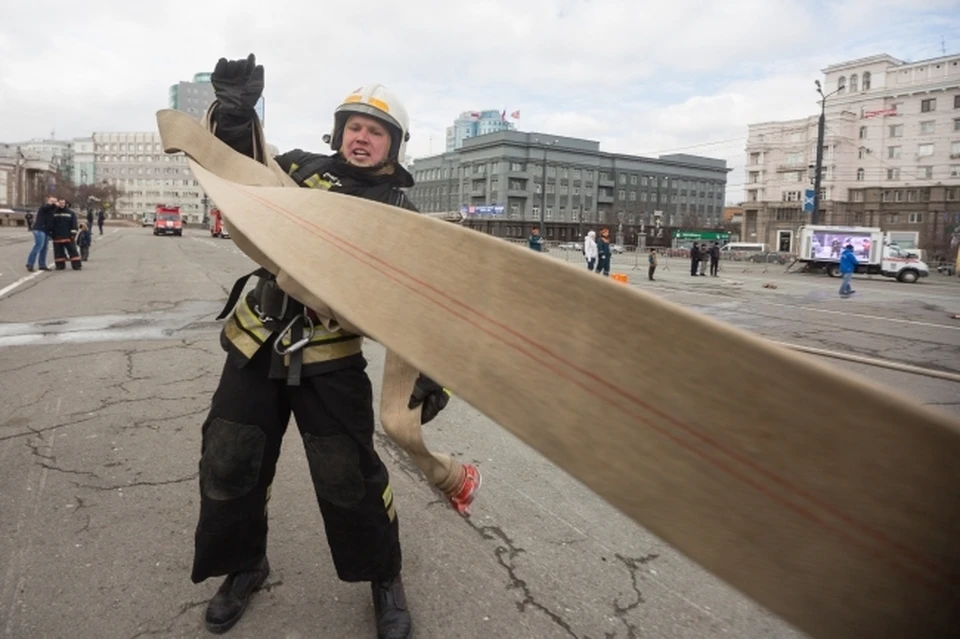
(808, 201)
(880, 113)
(483, 210)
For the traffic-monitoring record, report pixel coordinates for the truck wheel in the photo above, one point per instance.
(833, 270)
(908, 276)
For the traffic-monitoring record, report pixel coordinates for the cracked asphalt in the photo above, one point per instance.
(106, 375)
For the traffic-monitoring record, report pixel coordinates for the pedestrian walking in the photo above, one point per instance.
(848, 266)
(590, 250)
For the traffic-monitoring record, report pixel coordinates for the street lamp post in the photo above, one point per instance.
(543, 190)
(818, 170)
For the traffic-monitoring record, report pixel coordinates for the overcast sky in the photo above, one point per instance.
(641, 76)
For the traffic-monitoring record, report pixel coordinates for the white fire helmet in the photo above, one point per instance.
(376, 102)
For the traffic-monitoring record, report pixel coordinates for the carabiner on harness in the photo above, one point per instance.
(296, 346)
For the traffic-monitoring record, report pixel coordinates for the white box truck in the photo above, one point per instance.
(821, 246)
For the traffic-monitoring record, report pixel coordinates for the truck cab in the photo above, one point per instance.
(168, 221)
(902, 264)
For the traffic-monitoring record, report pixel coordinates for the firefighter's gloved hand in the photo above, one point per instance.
(238, 84)
(431, 395)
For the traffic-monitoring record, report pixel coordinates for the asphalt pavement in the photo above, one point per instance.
(106, 375)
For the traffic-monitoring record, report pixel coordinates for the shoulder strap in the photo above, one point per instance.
(238, 289)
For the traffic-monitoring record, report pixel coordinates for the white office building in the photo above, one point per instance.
(136, 163)
(891, 154)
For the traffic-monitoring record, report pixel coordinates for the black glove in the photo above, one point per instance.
(431, 395)
(237, 84)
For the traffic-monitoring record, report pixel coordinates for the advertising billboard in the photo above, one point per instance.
(828, 245)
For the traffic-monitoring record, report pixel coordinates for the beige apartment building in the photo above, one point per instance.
(136, 163)
(891, 155)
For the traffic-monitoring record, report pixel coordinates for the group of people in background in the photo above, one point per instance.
(57, 223)
(700, 254)
(596, 251)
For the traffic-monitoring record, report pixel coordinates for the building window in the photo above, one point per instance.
(925, 150)
(621, 195)
(863, 133)
(893, 152)
(633, 180)
(925, 172)
(866, 81)
(928, 127)
(915, 218)
(536, 211)
(633, 196)
(929, 105)
(841, 84)
(853, 82)
(954, 150)
(858, 196)
(911, 196)
(643, 195)
(549, 215)
(859, 175)
(893, 174)
(896, 130)
(955, 170)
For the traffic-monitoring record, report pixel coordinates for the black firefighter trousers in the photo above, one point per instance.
(61, 249)
(241, 444)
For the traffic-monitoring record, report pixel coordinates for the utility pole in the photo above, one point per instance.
(543, 191)
(818, 169)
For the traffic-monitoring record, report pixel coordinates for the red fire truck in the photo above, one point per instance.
(168, 220)
(217, 229)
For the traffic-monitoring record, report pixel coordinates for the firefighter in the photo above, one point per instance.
(282, 358)
(64, 232)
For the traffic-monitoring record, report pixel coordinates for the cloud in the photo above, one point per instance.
(639, 77)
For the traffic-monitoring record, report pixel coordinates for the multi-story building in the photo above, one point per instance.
(195, 96)
(470, 124)
(26, 176)
(136, 164)
(192, 97)
(891, 155)
(83, 169)
(57, 152)
(498, 181)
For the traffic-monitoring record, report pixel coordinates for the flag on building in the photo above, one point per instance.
(515, 115)
(475, 114)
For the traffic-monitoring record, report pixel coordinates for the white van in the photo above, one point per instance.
(744, 247)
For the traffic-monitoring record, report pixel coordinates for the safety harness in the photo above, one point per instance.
(277, 311)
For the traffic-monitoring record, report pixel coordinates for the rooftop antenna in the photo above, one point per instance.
(943, 46)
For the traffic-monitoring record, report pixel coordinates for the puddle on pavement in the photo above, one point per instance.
(185, 319)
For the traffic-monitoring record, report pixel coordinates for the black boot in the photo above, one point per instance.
(390, 605)
(230, 602)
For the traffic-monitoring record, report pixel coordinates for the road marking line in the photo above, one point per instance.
(22, 280)
(667, 292)
(876, 317)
